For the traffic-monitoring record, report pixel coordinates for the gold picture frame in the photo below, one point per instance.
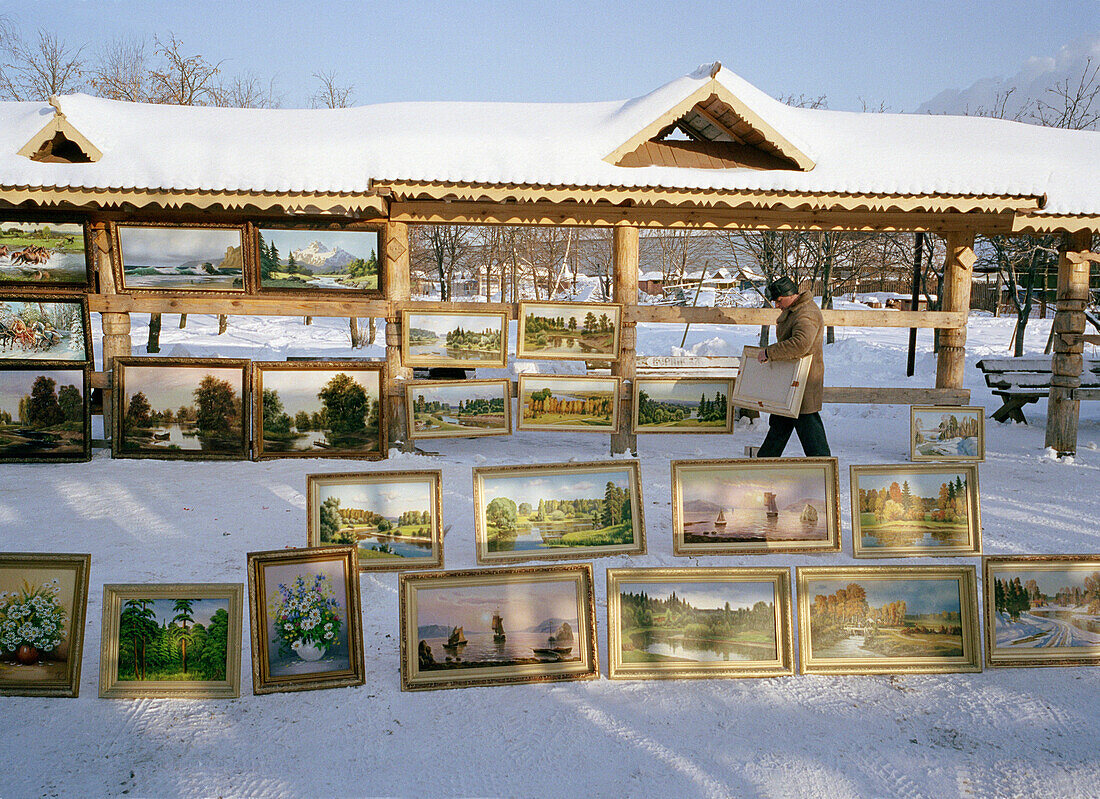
(166, 613)
(47, 663)
(800, 514)
(302, 398)
(567, 403)
(646, 640)
(558, 528)
(956, 437)
(133, 434)
(422, 348)
(29, 333)
(1018, 633)
(46, 440)
(390, 495)
(338, 237)
(599, 322)
(170, 242)
(662, 410)
(426, 403)
(29, 242)
(543, 627)
(861, 620)
(305, 663)
(898, 511)
(772, 387)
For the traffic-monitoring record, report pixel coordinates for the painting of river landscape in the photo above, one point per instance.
(669, 405)
(181, 408)
(883, 619)
(454, 408)
(946, 433)
(328, 409)
(571, 510)
(755, 505)
(430, 338)
(913, 509)
(391, 517)
(699, 622)
(43, 254)
(1042, 610)
(561, 330)
(178, 257)
(44, 414)
(318, 259)
(568, 404)
(497, 626)
(44, 329)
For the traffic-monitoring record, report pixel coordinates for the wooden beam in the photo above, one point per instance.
(958, 274)
(397, 286)
(766, 316)
(896, 396)
(1064, 406)
(248, 306)
(624, 259)
(510, 308)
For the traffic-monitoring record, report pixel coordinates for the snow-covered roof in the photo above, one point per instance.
(352, 150)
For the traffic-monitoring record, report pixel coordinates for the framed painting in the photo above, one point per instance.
(682, 405)
(573, 331)
(53, 254)
(454, 338)
(392, 518)
(675, 623)
(43, 599)
(1042, 610)
(908, 510)
(45, 328)
(555, 511)
(772, 387)
(45, 413)
(173, 640)
(755, 505)
(569, 404)
(946, 433)
(182, 408)
(315, 409)
(181, 258)
(497, 627)
(319, 259)
(888, 620)
(458, 408)
(307, 623)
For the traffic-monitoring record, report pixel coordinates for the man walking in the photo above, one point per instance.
(798, 333)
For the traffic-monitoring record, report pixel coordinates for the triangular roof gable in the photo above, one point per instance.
(713, 114)
(58, 140)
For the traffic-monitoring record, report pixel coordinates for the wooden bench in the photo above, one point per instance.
(1021, 381)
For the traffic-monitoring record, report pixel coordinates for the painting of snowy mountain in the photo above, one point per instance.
(318, 259)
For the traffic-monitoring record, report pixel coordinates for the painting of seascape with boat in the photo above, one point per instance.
(497, 626)
(206, 258)
(699, 622)
(762, 505)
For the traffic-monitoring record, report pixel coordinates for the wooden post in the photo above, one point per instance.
(396, 284)
(1067, 363)
(624, 257)
(957, 276)
(116, 326)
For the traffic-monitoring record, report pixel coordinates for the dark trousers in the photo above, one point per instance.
(811, 433)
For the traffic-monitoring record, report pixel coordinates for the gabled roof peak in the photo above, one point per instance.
(59, 142)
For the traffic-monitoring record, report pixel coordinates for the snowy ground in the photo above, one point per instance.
(1004, 732)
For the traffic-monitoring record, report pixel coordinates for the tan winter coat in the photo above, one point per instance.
(798, 332)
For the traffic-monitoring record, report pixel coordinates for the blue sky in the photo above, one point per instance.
(899, 53)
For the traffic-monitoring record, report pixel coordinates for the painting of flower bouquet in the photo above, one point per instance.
(306, 625)
(42, 604)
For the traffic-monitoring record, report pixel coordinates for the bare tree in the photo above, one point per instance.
(330, 93)
(440, 251)
(1073, 103)
(121, 71)
(181, 79)
(40, 69)
(247, 90)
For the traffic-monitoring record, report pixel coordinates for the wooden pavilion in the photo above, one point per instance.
(705, 151)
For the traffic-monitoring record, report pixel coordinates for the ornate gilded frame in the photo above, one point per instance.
(641, 382)
(247, 265)
(416, 386)
(85, 322)
(529, 383)
(256, 226)
(64, 219)
(974, 410)
(86, 415)
(408, 359)
(615, 311)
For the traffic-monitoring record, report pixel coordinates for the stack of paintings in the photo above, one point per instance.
(393, 518)
(45, 371)
(189, 408)
(497, 627)
(315, 409)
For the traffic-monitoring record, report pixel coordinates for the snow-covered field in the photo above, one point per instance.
(1003, 732)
